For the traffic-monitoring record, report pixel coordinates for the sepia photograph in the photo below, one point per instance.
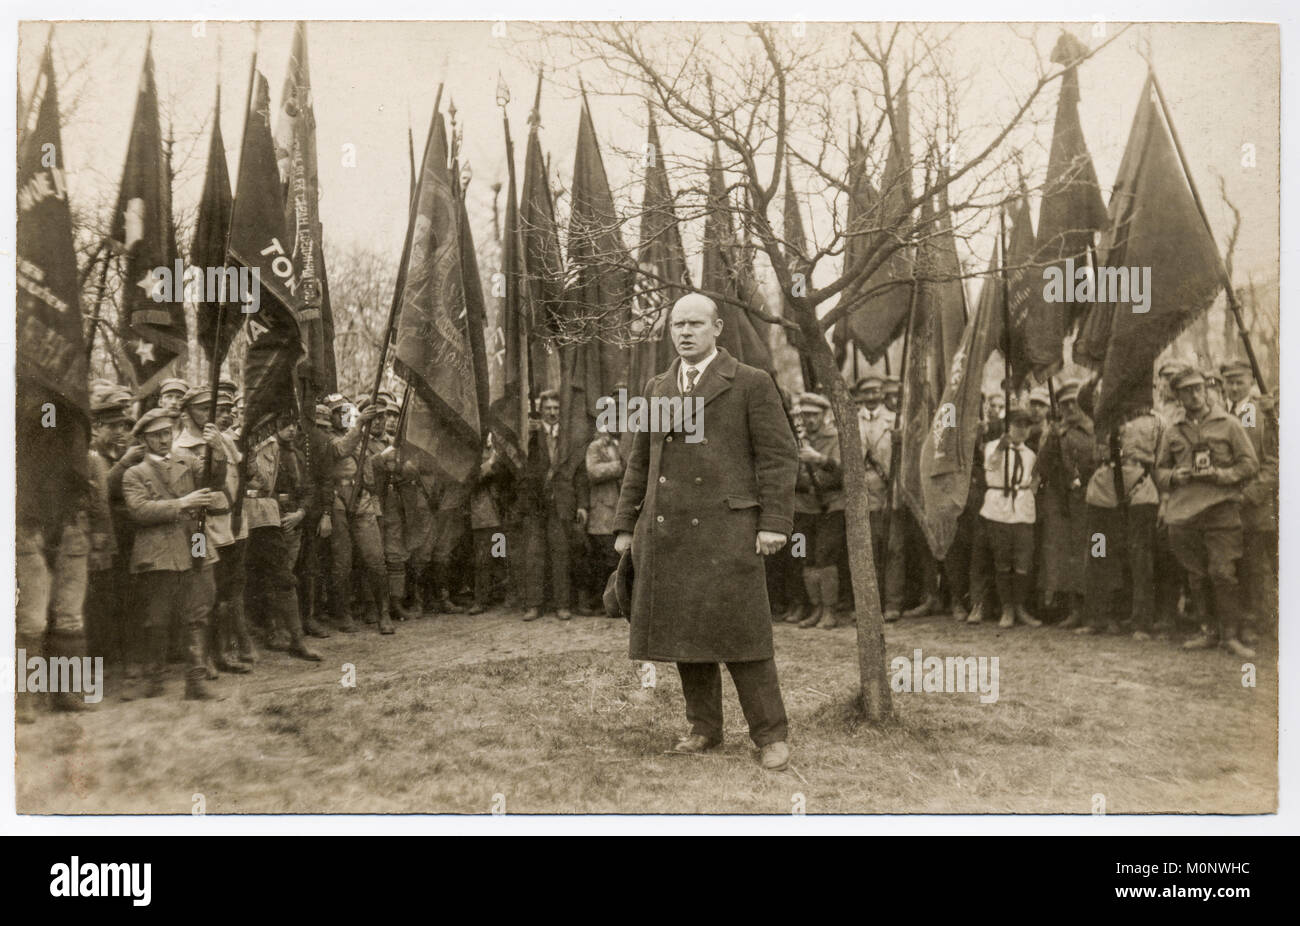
(622, 417)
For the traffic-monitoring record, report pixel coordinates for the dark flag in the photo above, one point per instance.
(50, 349)
(1024, 286)
(863, 199)
(796, 246)
(948, 450)
(876, 321)
(1072, 211)
(1154, 223)
(208, 252)
(598, 298)
(258, 241)
(543, 264)
(475, 320)
(510, 408)
(662, 276)
(295, 151)
(725, 273)
(433, 352)
(151, 322)
(936, 329)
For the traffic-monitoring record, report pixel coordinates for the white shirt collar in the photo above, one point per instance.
(700, 365)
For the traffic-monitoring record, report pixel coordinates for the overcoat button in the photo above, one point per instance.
(669, 438)
(699, 480)
(695, 522)
(704, 440)
(660, 519)
(662, 480)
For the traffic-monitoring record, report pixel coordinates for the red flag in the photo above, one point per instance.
(662, 276)
(433, 352)
(208, 252)
(1072, 211)
(937, 324)
(295, 150)
(258, 241)
(1154, 223)
(152, 316)
(948, 450)
(877, 322)
(50, 349)
(725, 272)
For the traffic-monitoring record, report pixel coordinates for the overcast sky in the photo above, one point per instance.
(372, 80)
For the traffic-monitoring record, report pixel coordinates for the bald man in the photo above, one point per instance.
(699, 508)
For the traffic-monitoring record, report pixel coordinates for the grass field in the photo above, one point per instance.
(469, 714)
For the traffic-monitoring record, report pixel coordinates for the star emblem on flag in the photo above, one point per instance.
(144, 350)
(152, 284)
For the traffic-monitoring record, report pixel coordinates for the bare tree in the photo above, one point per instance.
(763, 99)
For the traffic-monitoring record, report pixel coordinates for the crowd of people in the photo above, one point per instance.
(1182, 544)
(185, 553)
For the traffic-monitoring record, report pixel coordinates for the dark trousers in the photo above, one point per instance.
(1130, 546)
(486, 566)
(270, 587)
(1013, 560)
(107, 624)
(546, 538)
(956, 564)
(756, 687)
(601, 561)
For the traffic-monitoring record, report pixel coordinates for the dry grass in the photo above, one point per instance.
(454, 711)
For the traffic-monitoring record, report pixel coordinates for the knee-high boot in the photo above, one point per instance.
(25, 701)
(397, 592)
(830, 587)
(379, 589)
(813, 585)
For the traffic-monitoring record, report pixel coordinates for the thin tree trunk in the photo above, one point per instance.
(876, 697)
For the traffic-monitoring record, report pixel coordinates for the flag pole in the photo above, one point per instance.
(1006, 347)
(1233, 304)
(214, 377)
(895, 440)
(394, 308)
(99, 301)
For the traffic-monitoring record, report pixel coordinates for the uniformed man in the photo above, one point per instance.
(270, 585)
(295, 494)
(1009, 513)
(314, 561)
(407, 522)
(819, 498)
(170, 393)
(226, 394)
(1040, 406)
(188, 444)
(1204, 462)
(1066, 460)
(105, 610)
(1213, 386)
(353, 526)
(1258, 566)
(171, 560)
(1128, 526)
(487, 517)
(605, 465)
(876, 429)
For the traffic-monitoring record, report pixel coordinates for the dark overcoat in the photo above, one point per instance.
(695, 509)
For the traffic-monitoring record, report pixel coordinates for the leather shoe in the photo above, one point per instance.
(532, 614)
(564, 614)
(695, 743)
(302, 651)
(774, 757)
(1237, 648)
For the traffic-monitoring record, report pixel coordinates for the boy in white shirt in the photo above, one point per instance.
(1011, 477)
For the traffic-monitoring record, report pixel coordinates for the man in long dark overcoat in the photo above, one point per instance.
(699, 507)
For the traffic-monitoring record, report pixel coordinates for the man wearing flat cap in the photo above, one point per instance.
(1204, 462)
(1258, 566)
(819, 507)
(352, 520)
(171, 559)
(170, 393)
(698, 517)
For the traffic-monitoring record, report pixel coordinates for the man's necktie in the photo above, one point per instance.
(691, 374)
